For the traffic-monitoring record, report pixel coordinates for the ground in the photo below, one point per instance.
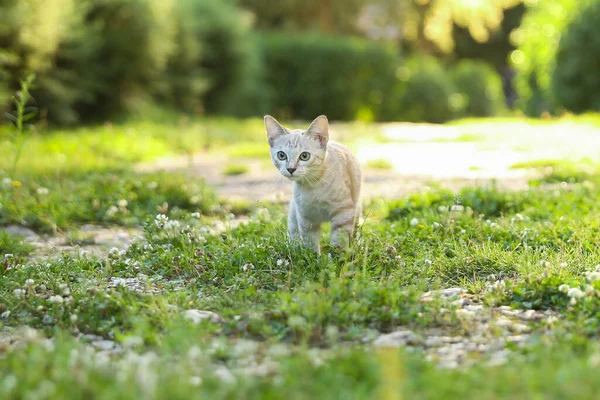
(475, 273)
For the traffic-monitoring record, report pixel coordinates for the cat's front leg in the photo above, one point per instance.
(310, 233)
(293, 222)
(342, 227)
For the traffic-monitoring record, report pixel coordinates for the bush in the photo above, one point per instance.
(576, 78)
(423, 92)
(99, 59)
(535, 58)
(315, 74)
(482, 87)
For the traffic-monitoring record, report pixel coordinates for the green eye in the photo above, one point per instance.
(281, 155)
(304, 156)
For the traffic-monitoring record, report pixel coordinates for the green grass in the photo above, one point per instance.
(306, 321)
(235, 169)
(381, 164)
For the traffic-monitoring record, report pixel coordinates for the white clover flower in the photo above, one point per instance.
(195, 381)
(564, 288)
(196, 215)
(457, 208)
(122, 203)
(42, 190)
(575, 293)
(112, 210)
(463, 231)
(428, 262)
(281, 262)
(172, 224)
(56, 299)
(19, 292)
(592, 276)
(414, 222)
(29, 282)
(195, 199)
(590, 290)
(73, 318)
(161, 220)
(247, 267)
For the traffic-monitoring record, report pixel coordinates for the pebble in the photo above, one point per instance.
(103, 344)
(197, 316)
(397, 339)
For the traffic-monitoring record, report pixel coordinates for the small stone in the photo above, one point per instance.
(463, 313)
(103, 344)
(504, 323)
(397, 339)
(197, 316)
(521, 328)
(16, 230)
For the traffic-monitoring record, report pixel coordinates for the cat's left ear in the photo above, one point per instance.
(319, 129)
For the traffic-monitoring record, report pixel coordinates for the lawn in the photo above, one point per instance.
(480, 293)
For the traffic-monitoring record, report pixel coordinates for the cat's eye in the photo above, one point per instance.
(281, 155)
(304, 156)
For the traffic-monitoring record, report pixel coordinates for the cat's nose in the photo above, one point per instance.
(291, 170)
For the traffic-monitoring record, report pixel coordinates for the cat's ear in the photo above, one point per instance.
(319, 129)
(274, 129)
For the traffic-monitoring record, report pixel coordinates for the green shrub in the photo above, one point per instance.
(576, 79)
(481, 86)
(423, 92)
(535, 58)
(315, 74)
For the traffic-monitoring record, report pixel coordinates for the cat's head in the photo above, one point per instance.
(298, 154)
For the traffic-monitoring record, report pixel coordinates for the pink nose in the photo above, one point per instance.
(291, 170)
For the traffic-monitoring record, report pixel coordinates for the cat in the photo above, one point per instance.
(326, 178)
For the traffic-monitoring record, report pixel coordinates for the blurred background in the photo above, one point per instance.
(368, 60)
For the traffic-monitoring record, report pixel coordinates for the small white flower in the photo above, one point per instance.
(590, 290)
(563, 265)
(56, 299)
(436, 225)
(279, 263)
(564, 288)
(122, 203)
(196, 215)
(463, 231)
(573, 301)
(42, 190)
(195, 381)
(575, 293)
(442, 209)
(545, 264)
(414, 222)
(172, 224)
(201, 239)
(195, 199)
(519, 217)
(152, 185)
(29, 282)
(247, 267)
(494, 225)
(592, 276)
(73, 318)
(457, 208)
(19, 292)
(8, 256)
(7, 181)
(112, 210)
(161, 220)
(428, 262)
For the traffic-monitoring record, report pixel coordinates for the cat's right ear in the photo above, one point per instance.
(274, 129)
